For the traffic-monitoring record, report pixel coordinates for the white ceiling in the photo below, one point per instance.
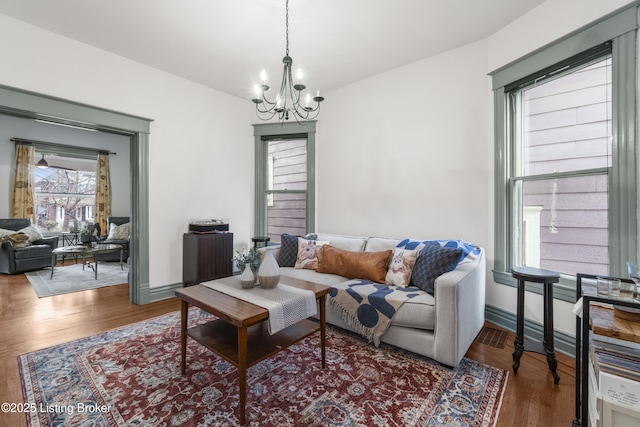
(225, 44)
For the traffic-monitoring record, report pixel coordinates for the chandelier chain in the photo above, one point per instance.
(287, 25)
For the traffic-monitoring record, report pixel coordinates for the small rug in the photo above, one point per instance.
(131, 376)
(71, 278)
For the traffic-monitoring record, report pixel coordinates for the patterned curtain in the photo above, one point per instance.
(24, 200)
(103, 192)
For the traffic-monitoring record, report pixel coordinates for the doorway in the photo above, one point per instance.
(20, 103)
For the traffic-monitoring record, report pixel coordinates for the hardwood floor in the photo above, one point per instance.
(28, 323)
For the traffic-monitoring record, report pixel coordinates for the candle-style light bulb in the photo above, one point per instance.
(308, 99)
(263, 76)
(299, 75)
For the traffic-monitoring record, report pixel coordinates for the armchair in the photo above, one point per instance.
(21, 259)
(104, 239)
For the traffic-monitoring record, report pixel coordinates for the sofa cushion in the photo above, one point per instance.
(377, 244)
(418, 313)
(308, 253)
(348, 243)
(433, 261)
(353, 264)
(32, 251)
(400, 267)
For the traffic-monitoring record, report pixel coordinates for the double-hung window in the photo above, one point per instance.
(566, 155)
(285, 179)
(560, 136)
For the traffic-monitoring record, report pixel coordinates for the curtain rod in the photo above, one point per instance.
(55, 144)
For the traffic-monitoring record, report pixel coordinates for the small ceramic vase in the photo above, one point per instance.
(247, 279)
(269, 271)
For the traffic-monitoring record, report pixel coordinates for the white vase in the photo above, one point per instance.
(269, 271)
(247, 279)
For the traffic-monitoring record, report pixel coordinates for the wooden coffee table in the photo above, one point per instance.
(240, 322)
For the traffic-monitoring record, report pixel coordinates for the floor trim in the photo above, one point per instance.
(563, 343)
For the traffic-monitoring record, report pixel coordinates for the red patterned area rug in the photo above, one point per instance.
(131, 377)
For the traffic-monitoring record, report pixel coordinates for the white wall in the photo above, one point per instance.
(405, 153)
(200, 138)
(548, 22)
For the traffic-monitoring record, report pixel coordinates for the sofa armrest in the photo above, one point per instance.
(460, 306)
(50, 241)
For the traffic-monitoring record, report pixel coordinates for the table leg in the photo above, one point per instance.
(53, 264)
(95, 264)
(121, 250)
(242, 367)
(519, 341)
(548, 332)
(183, 336)
(323, 330)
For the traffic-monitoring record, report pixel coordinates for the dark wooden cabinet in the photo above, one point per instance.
(206, 257)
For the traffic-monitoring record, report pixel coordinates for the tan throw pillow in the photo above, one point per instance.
(401, 266)
(308, 253)
(354, 265)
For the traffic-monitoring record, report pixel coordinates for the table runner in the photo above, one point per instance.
(287, 305)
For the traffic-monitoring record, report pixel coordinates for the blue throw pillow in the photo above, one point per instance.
(433, 261)
(289, 249)
(469, 250)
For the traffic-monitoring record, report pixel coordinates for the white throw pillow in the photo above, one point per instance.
(119, 232)
(401, 266)
(32, 232)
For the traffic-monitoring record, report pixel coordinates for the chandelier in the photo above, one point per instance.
(290, 100)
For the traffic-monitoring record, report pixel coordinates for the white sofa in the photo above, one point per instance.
(441, 327)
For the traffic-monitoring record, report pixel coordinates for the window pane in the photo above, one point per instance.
(564, 225)
(287, 177)
(567, 122)
(288, 214)
(65, 194)
(287, 164)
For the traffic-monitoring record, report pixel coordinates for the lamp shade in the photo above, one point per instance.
(42, 163)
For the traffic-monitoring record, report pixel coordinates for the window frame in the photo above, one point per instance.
(619, 28)
(264, 132)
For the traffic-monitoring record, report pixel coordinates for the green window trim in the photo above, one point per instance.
(620, 28)
(264, 132)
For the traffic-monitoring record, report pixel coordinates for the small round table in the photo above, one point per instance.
(547, 278)
(260, 241)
